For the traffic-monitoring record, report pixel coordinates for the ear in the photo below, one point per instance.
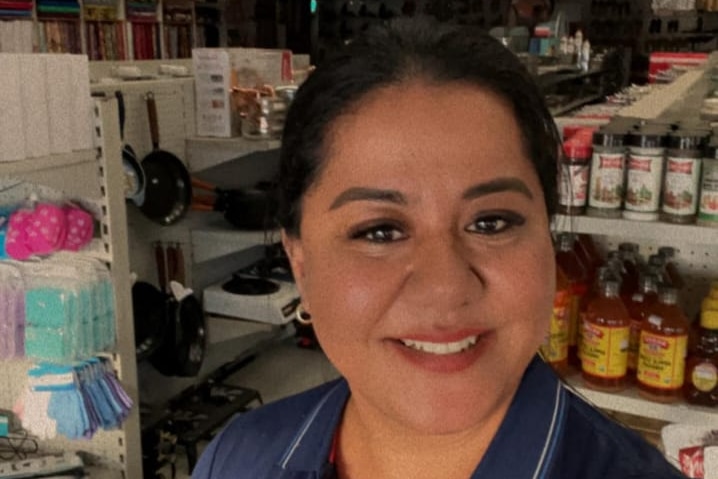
(295, 251)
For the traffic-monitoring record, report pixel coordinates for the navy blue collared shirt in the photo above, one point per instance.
(548, 433)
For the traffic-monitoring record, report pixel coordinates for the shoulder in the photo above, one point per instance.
(253, 442)
(597, 446)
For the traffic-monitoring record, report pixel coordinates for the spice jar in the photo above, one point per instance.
(605, 192)
(708, 205)
(682, 176)
(644, 172)
(573, 176)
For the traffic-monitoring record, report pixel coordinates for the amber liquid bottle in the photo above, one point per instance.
(701, 383)
(668, 254)
(554, 349)
(628, 252)
(569, 264)
(638, 309)
(662, 349)
(606, 330)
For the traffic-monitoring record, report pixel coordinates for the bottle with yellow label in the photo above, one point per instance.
(554, 349)
(701, 384)
(662, 349)
(606, 330)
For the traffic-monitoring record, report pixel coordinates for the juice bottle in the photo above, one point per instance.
(668, 254)
(701, 384)
(554, 350)
(662, 349)
(638, 306)
(628, 252)
(605, 340)
(567, 261)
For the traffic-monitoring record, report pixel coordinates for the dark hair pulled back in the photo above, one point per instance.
(406, 51)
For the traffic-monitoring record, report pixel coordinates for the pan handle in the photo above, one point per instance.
(160, 262)
(203, 185)
(154, 123)
(180, 271)
(121, 108)
(171, 262)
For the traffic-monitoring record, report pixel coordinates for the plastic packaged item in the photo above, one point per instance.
(681, 180)
(644, 174)
(708, 204)
(605, 340)
(701, 384)
(662, 349)
(608, 166)
(573, 176)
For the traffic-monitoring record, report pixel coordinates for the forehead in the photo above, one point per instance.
(405, 127)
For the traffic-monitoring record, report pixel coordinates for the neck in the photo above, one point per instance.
(373, 445)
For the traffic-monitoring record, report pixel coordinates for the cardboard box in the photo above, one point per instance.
(217, 70)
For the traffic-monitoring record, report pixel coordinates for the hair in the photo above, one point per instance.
(404, 52)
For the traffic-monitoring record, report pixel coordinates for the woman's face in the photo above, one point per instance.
(425, 257)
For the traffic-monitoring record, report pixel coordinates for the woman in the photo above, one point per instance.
(417, 180)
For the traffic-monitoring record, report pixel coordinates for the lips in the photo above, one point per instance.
(445, 354)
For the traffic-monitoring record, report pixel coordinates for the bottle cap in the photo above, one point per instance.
(648, 138)
(709, 319)
(605, 137)
(686, 140)
(711, 151)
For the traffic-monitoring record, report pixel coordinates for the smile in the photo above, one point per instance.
(441, 348)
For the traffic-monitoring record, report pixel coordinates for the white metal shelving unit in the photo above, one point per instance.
(94, 177)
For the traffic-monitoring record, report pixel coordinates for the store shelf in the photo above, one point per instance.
(629, 402)
(218, 238)
(666, 232)
(221, 329)
(572, 105)
(204, 153)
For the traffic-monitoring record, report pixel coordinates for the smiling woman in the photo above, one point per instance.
(417, 182)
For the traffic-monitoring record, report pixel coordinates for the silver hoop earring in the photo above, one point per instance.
(302, 316)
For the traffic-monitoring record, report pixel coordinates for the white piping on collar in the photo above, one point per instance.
(305, 427)
(550, 442)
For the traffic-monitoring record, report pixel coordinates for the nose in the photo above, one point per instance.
(444, 275)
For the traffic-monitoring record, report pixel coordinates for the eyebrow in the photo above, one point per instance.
(497, 185)
(358, 193)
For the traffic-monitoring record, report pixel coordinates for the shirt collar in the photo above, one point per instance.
(530, 431)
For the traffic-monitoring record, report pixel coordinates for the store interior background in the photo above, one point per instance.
(279, 361)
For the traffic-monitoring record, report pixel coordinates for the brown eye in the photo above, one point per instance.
(384, 233)
(495, 223)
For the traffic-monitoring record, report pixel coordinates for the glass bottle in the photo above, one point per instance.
(638, 307)
(570, 265)
(662, 349)
(668, 253)
(701, 384)
(628, 252)
(554, 349)
(604, 353)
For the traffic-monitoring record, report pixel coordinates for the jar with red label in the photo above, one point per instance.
(644, 174)
(608, 166)
(682, 176)
(573, 176)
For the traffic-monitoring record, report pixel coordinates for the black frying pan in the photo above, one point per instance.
(190, 332)
(168, 190)
(149, 309)
(134, 174)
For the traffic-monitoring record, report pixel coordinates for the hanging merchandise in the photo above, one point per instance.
(72, 400)
(605, 340)
(662, 349)
(46, 228)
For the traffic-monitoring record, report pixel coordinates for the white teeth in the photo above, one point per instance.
(441, 348)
